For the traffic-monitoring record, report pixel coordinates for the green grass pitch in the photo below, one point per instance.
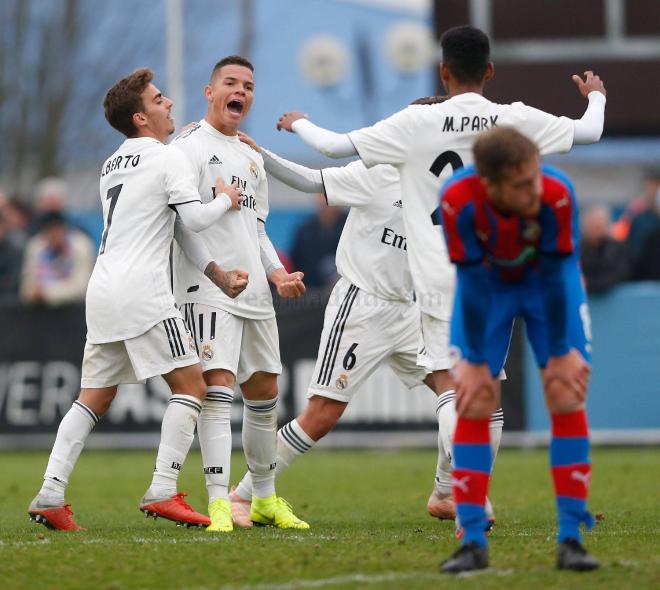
(369, 527)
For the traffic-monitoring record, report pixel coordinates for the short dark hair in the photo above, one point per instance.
(429, 100)
(231, 60)
(500, 148)
(124, 99)
(466, 52)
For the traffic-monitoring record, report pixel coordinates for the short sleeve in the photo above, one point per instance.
(386, 142)
(551, 134)
(349, 186)
(179, 178)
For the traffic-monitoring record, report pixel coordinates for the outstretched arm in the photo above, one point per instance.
(329, 143)
(294, 175)
(589, 128)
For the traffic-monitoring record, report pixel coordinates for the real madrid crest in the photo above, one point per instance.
(254, 170)
(207, 352)
(342, 381)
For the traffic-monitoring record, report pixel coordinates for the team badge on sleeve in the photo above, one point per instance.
(207, 352)
(342, 381)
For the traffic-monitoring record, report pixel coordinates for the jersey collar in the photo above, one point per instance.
(213, 131)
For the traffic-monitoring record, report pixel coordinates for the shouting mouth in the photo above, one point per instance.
(235, 107)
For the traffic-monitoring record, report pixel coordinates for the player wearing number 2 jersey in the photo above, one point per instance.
(135, 330)
(427, 143)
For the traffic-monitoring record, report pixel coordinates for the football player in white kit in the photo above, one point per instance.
(426, 144)
(371, 317)
(237, 339)
(134, 329)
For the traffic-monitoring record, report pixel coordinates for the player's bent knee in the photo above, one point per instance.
(482, 405)
(560, 398)
(260, 386)
(188, 381)
(220, 377)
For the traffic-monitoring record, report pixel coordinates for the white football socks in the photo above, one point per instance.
(445, 409)
(177, 433)
(259, 444)
(292, 442)
(71, 435)
(214, 431)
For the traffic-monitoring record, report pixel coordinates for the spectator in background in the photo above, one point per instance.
(57, 264)
(16, 216)
(644, 228)
(10, 263)
(637, 206)
(315, 245)
(605, 261)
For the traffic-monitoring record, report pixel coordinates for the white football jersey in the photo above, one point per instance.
(427, 143)
(372, 249)
(232, 241)
(129, 290)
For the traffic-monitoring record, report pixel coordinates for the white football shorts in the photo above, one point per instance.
(434, 344)
(237, 344)
(161, 349)
(361, 331)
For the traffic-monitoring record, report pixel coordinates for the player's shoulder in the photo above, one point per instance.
(189, 135)
(459, 182)
(556, 183)
(461, 189)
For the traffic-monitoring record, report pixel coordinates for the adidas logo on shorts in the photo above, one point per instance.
(398, 204)
(214, 160)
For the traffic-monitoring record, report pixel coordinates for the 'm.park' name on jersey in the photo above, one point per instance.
(469, 123)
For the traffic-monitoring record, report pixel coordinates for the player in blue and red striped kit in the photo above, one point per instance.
(511, 229)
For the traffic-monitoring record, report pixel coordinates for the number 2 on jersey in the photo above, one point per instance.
(439, 164)
(113, 195)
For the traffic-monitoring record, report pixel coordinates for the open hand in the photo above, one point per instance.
(245, 138)
(572, 370)
(591, 83)
(289, 286)
(472, 382)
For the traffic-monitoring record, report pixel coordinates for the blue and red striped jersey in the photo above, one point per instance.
(509, 245)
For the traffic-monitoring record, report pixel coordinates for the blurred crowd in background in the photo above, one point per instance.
(46, 258)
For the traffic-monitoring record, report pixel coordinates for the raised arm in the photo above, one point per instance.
(589, 128)
(329, 143)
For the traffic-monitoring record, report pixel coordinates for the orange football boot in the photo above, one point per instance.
(57, 518)
(175, 509)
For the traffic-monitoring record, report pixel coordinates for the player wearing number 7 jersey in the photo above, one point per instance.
(134, 329)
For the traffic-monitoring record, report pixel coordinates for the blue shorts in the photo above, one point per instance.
(511, 300)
